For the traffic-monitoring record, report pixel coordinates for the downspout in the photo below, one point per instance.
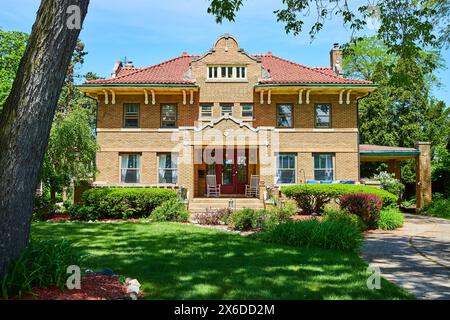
(358, 136)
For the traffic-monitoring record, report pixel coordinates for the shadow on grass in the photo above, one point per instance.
(174, 261)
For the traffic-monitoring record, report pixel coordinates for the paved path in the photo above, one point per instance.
(416, 257)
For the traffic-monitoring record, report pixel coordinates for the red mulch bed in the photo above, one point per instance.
(93, 287)
(59, 218)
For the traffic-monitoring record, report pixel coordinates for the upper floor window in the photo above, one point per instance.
(286, 172)
(323, 167)
(284, 116)
(130, 168)
(206, 111)
(227, 72)
(226, 109)
(131, 115)
(168, 116)
(323, 116)
(247, 111)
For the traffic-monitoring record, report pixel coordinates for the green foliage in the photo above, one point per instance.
(342, 215)
(43, 263)
(43, 208)
(313, 197)
(390, 219)
(126, 202)
(440, 168)
(365, 206)
(12, 48)
(87, 213)
(338, 235)
(171, 210)
(439, 207)
(389, 183)
(245, 219)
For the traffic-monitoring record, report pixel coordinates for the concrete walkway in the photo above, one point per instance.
(416, 257)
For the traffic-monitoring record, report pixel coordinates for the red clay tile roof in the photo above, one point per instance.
(374, 148)
(286, 72)
(167, 72)
(281, 72)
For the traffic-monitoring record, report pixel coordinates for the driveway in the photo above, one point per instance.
(416, 257)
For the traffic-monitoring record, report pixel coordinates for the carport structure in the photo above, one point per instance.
(393, 155)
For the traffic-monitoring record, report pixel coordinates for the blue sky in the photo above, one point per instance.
(149, 31)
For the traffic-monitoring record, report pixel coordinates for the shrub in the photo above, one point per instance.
(171, 210)
(313, 197)
(43, 208)
(126, 202)
(366, 206)
(77, 212)
(269, 217)
(439, 207)
(341, 215)
(389, 183)
(213, 216)
(41, 264)
(338, 235)
(245, 219)
(390, 219)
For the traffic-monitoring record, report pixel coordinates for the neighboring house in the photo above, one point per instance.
(228, 113)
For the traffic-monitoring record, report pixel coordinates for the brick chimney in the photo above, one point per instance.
(336, 59)
(117, 66)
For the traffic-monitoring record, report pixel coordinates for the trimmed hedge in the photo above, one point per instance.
(125, 202)
(337, 235)
(313, 197)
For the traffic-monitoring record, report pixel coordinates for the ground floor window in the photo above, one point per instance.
(323, 167)
(168, 168)
(130, 168)
(286, 168)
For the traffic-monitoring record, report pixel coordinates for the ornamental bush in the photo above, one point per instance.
(365, 206)
(245, 219)
(389, 183)
(125, 202)
(171, 210)
(312, 198)
(390, 219)
(213, 216)
(342, 215)
(337, 235)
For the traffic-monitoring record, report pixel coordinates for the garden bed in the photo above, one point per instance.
(93, 287)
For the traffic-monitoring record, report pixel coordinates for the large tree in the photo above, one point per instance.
(27, 115)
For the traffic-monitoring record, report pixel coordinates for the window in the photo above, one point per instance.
(227, 72)
(168, 116)
(206, 111)
(131, 115)
(168, 168)
(247, 111)
(323, 167)
(226, 109)
(130, 168)
(284, 116)
(286, 168)
(323, 116)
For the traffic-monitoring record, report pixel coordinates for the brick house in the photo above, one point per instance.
(228, 113)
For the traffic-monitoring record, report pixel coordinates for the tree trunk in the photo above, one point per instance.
(27, 117)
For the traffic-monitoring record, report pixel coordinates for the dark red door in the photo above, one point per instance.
(232, 172)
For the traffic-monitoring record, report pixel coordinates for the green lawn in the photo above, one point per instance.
(175, 261)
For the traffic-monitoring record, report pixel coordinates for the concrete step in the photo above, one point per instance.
(202, 204)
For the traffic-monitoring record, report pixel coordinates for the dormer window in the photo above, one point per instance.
(227, 73)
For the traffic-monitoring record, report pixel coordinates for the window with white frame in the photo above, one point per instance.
(323, 115)
(206, 111)
(130, 168)
(286, 168)
(323, 166)
(227, 72)
(226, 109)
(168, 168)
(131, 115)
(247, 111)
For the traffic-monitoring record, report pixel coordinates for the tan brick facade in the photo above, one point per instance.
(304, 140)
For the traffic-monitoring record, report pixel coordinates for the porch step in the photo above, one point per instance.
(202, 204)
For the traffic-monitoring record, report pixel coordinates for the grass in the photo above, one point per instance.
(177, 261)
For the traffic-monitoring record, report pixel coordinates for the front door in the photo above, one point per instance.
(233, 171)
